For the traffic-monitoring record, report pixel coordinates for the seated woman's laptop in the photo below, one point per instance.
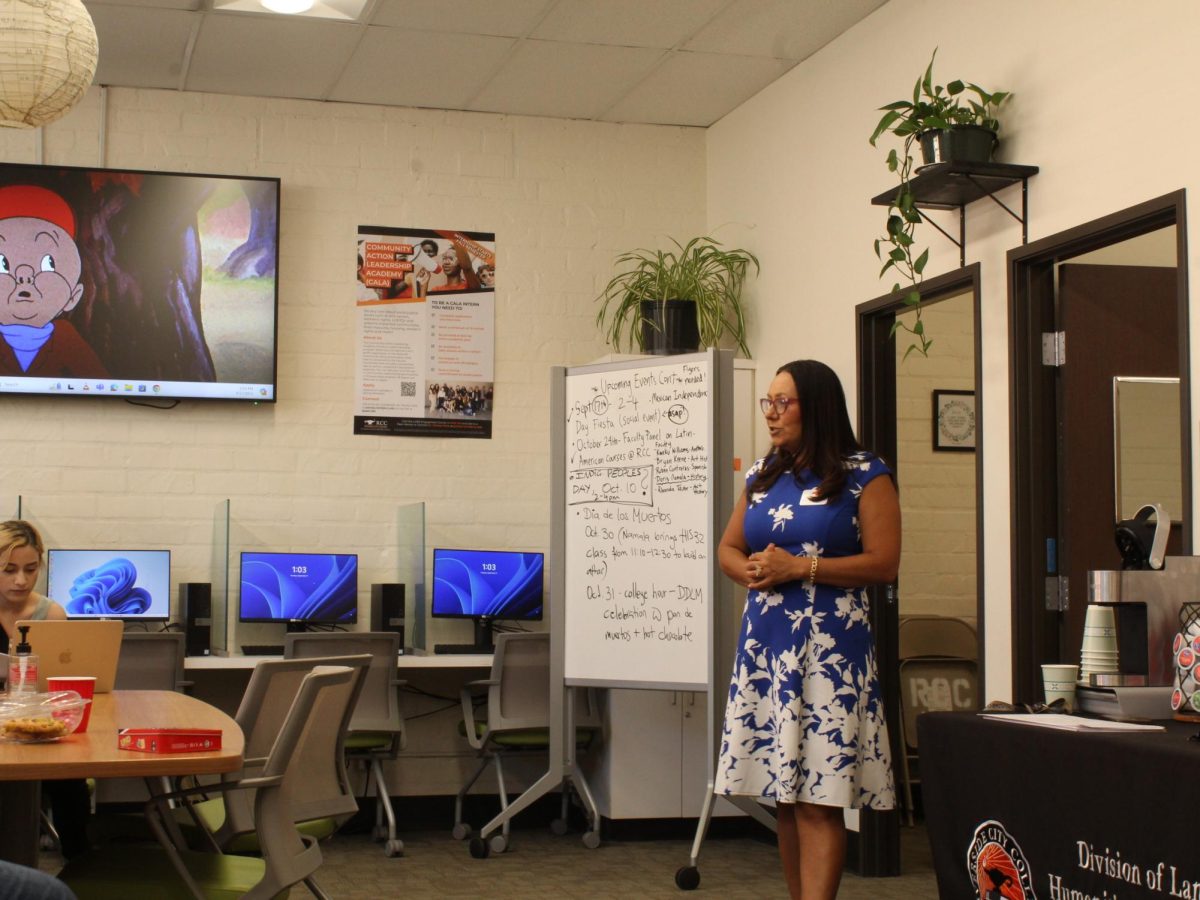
(76, 647)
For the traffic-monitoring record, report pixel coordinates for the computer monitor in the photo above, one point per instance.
(487, 585)
(299, 588)
(111, 584)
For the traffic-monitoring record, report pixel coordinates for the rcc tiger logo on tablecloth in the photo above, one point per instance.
(997, 865)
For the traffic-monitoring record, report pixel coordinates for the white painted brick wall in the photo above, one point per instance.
(937, 490)
(563, 197)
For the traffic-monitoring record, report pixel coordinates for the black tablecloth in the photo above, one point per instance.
(1015, 811)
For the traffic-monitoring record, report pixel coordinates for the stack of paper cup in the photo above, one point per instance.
(1099, 653)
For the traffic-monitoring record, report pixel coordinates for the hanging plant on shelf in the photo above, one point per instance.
(949, 122)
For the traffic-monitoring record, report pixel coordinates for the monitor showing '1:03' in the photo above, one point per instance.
(317, 588)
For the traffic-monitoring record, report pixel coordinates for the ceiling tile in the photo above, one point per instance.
(784, 29)
(505, 18)
(619, 60)
(270, 56)
(127, 59)
(442, 71)
(628, 23)
(546, 78)
(695, 89)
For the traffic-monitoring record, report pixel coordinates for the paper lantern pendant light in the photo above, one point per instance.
(47, 59)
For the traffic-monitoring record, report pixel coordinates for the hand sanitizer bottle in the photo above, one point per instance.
(23, 667)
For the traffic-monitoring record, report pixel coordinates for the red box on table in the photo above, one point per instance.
(169, 740)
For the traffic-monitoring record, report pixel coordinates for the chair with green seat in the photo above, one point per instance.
(377, 732)
(285, 788)
(229, 818)
(517, 720)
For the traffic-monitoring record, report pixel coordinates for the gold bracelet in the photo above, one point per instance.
(812, 571)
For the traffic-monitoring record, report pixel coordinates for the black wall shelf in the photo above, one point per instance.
(954, 185)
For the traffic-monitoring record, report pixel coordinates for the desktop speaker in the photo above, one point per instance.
(195, 600)
(387, 608)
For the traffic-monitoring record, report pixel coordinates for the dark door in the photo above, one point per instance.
(1118, 320)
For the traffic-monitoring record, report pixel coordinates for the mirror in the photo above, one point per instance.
(1146, 445)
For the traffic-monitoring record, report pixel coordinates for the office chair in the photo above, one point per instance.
(151, 661)
(938, 671)
(517, 719)
(377, 732)
(287, 785)
(230, 818)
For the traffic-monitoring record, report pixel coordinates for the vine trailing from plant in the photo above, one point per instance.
(933, 107)
(903, 218)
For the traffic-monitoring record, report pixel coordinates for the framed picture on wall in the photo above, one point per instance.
(954, 420)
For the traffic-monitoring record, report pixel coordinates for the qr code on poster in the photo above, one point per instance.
(408, 389)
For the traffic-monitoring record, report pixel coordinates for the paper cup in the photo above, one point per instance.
(84, 685)
(1058, 682)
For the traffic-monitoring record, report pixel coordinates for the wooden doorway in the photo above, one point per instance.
(1060, 415)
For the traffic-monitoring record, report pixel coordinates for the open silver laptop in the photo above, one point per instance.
(76, 647)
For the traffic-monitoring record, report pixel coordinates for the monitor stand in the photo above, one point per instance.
(484, 642)
(297, 627)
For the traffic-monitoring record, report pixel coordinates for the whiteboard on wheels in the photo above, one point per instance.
(639, 548)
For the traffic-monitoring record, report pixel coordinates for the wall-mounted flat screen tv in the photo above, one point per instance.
(110, 584)
(299, 588)
(132, 284)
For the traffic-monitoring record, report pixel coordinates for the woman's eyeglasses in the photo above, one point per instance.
(779, 404)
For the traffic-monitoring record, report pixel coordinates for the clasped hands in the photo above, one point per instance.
(770, 566)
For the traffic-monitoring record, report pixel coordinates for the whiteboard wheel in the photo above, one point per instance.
(591, 839)
(687, 878)
(498, 843)
(394, 848)
(478, 848)
(559, 827)
(461, 831)
(379, 832)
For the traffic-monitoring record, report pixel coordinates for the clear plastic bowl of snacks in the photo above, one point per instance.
(34, 718)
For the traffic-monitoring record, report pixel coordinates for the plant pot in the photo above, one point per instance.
(961, 143)
(669, 327)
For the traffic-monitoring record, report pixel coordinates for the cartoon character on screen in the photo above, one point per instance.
(39, 281)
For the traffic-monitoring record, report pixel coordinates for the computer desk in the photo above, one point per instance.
(404, 663)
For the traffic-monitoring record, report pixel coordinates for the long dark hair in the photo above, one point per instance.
(826, 436)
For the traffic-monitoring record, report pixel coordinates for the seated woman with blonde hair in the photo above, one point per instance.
(21, 553)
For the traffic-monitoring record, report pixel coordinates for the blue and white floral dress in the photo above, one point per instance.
(805, 716)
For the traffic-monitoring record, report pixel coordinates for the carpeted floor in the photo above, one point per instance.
(540, 865)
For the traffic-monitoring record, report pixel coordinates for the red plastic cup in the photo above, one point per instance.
(84, 685)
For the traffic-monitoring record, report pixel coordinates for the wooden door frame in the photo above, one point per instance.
(876, 386)
(1033, 443)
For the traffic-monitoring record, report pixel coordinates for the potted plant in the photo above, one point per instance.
(676, 301)
(952, 122)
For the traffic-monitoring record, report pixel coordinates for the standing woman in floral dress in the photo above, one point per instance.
(818, 522)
